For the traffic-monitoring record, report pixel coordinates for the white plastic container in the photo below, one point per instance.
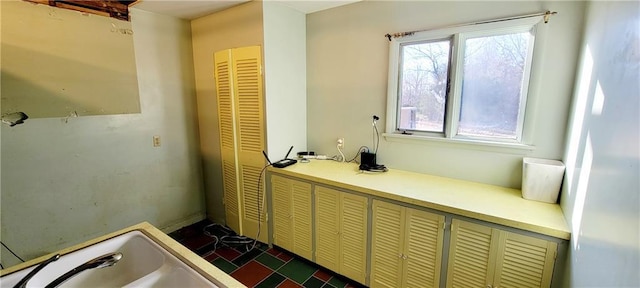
(541, 179)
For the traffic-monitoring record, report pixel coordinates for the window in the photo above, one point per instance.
(466, 83)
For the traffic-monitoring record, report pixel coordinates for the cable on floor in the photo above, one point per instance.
(231, 239)
(224, 236)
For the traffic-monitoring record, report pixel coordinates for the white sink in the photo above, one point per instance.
(144, 264)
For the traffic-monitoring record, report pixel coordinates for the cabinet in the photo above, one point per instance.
(382, 239)
(341, 232)
(406, 246)
(481, 256)
(291, 203)
(239, 91)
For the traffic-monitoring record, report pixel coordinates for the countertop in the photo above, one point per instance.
(499, 205)
(206, 269)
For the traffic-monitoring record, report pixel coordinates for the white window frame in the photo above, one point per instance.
(453, 104)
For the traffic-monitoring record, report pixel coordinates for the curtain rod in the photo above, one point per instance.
(546, 16)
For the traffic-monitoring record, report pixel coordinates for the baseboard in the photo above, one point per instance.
(185, 222)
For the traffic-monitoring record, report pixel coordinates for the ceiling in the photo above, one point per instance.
(185, 9)
(192, 9)
(110, 8)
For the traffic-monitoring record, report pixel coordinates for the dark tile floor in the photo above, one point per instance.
(261, 266)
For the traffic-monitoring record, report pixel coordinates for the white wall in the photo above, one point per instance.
(347, 67)
(42, 64)
(600, 196)
(285, 79)
(64, 182)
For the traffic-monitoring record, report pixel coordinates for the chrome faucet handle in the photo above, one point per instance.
(23, 282)
(106, 260)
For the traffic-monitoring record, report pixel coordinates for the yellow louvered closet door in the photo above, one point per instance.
(470, 255)
(250, 126)
(226, 126)
(524, 261)
(423, 249)
(241, 116)
(353, 240)
(387, 239)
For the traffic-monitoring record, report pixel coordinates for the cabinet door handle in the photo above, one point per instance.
(400, 256)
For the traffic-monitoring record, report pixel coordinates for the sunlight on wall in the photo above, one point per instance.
(576, 126)
(598, 100)
(583, 168)
(581, 192)
(600, 194)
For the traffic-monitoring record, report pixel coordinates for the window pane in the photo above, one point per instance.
(492, 85)
(423, 86)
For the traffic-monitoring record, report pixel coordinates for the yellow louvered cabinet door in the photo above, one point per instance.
(387, 239)
(471, 255)
(481, 256)
(524, 261)
(327, 227)
(226, 125)
(353, 236)
(301, 219)
(250, 138)
(282, 218)
(423, 249)
(341, 232)
(406, 248)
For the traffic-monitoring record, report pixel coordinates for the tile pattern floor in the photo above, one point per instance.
(261, 267)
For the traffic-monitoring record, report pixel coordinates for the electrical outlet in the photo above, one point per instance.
(156, 141)
(341, 143)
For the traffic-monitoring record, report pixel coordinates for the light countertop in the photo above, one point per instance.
(485, 202)
(206, 269)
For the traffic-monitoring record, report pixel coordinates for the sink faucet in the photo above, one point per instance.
(23, 282)
(103, 261)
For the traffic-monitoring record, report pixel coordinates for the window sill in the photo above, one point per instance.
(511, 148)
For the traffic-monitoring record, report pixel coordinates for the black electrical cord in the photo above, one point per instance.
(358, 153)
(241, 240)
(14, 254)
(224, 236)
(258, 203)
